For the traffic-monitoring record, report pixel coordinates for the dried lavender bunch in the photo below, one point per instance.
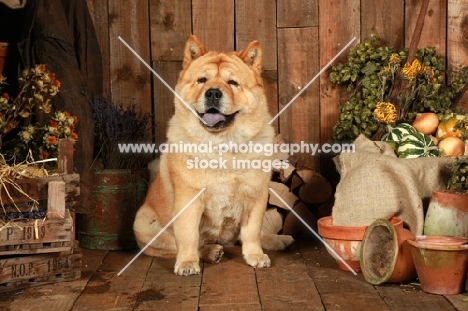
(116, 124)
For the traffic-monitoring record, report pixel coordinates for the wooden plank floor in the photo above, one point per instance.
(303, 278)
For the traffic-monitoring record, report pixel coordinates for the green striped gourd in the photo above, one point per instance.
(417, 145)
(396, 134)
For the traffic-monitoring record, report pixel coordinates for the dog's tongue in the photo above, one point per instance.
(212, 118)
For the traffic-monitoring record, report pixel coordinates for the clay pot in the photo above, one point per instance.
(385, 255)
(441, 263)
(346, 241)
(447, 214)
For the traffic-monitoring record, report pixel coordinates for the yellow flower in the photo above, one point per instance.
(70, 120)
(30, 129)
(384, 71)
(385, 112)
(60, 116)
(25, 136)
(394, 59)
(410, 71)
(66, 131)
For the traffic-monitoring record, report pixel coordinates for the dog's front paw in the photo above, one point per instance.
(211, 253)
(187, 268)
(258, 260)
(276, 242)
(284, 241)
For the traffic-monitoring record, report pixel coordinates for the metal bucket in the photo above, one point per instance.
(117, 195)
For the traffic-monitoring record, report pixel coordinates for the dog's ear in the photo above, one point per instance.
(252, 56)
(193, 50)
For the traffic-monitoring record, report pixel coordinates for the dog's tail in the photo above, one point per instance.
(153, 168)
(150, 222)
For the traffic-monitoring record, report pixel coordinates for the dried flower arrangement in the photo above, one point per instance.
(41, 142)
(116, 124)
(37, 87)
(24, 154)
(371, 74)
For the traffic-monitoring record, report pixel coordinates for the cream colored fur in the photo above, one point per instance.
(232, 206)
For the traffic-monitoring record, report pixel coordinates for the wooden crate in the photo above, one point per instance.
(41, 251)
(53, 234)
(32, 270)
(38, 189)
(37, 236)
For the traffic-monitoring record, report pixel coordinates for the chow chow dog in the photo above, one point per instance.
(223, 104)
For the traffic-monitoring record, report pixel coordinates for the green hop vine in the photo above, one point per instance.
(370, 74)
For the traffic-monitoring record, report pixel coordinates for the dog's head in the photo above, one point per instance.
(224, 91)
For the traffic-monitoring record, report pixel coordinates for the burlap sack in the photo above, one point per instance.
(375, 183)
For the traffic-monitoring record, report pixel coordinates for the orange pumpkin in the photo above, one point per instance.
(445, 128)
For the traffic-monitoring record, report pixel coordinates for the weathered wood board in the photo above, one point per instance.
(434, 30)
(457, 40)
(297, 13)
(37, 236)
(375, 20)
(163, 97)
(170, 22)
(130, 78)
(37, 189)
(298, 64)
(213, 23)
(339, 22)
(25, 271)
(304, 277)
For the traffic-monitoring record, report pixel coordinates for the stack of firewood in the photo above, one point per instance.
(305, 191)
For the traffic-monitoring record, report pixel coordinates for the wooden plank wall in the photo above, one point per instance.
(299, 37)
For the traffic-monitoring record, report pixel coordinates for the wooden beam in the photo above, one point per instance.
(457, 40)
(387, 21)
(213, 23)
(170, 22)
(130, 78)
(298, 63)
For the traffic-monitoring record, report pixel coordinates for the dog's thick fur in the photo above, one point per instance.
(232, 206)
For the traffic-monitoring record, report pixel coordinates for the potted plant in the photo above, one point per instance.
(120, 177)
(447, 213)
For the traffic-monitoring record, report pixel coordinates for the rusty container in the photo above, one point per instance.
(117, 195)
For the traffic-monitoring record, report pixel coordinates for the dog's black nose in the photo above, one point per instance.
(213, 94)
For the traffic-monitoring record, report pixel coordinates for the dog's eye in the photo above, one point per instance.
(201, 80)
(232, 82)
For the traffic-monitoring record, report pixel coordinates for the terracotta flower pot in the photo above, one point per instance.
(385, 255)
(447, 214)
(346, 240)
(441, 263)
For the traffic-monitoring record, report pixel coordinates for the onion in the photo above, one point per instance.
(452, 146)
(426, 122)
